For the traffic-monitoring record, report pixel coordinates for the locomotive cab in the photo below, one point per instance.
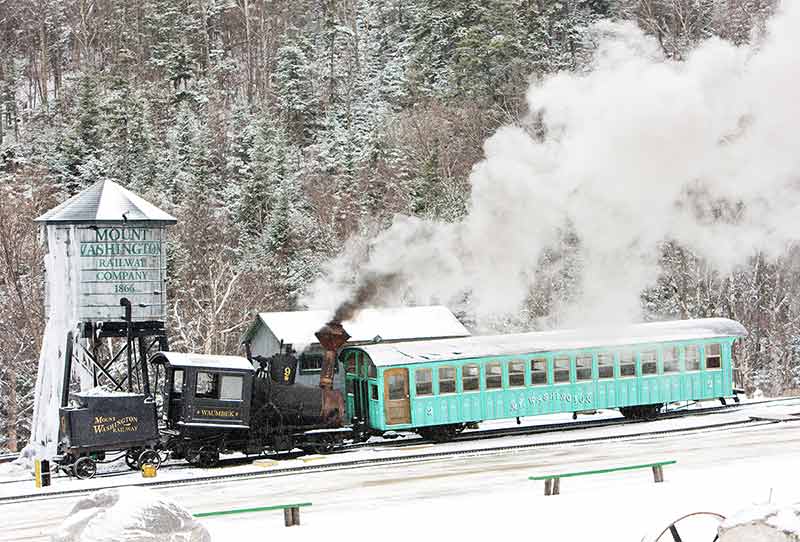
(206, 391)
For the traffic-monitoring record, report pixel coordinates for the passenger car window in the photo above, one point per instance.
(561, 369)
(538, 371)
(692, 355)
(494, 375)
(627, 364)
(177, 382)
(447, 379)
(671, 363)
(397, 387)
(231, 389)
(423, 379)
(470, 377)
(207, 385)
(605, 365)
(583, 367)
(713, 356)
(516, 373)
(649, 362)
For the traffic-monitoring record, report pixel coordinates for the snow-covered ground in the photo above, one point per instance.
(719, 470)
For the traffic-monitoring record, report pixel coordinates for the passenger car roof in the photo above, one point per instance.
(385, 354)
(203, 361)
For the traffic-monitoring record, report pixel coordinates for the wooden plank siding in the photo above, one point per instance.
(550, 398)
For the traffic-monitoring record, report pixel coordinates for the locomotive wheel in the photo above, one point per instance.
(132, 458)
(207, 457)
(149, 457)
(84, 468)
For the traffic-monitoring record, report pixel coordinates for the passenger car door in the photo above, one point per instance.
(395, 396)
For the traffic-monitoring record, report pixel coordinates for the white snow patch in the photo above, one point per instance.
(62, 266)
(102, 391)
(129, 514)
(762, 523)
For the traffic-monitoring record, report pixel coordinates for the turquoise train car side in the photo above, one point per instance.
(438, 387)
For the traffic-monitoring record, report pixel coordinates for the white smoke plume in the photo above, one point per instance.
(637, 150)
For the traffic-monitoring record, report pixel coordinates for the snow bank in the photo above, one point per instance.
(763, 523)
(129, 514)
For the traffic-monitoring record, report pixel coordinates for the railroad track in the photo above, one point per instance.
(413, 439)
(364, 463)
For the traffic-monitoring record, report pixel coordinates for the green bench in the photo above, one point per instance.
(552, 484)
(291, 512)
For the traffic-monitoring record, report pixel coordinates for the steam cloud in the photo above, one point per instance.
(636, 151)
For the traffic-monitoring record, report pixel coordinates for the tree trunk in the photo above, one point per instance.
(12, 408)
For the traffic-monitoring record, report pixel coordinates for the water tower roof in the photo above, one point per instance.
(105, 201)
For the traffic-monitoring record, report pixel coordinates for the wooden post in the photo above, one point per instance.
(288, 517)
(556, 486)
(658, 474)
(296, 515)
(547, 485)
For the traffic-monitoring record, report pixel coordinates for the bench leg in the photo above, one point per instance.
(658, 474)
(288, 517)
(556, 486)
(296, 515)
(547, 485)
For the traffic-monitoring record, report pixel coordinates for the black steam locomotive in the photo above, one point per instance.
(209, 405)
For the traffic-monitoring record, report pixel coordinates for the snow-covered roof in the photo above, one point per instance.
(105, 201)
(525, 343)
(205, 361)
(392, 324)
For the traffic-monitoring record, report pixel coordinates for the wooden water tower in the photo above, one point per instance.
(116, 245)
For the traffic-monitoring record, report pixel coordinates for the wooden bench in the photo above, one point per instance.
(291, 512)
(552, 484)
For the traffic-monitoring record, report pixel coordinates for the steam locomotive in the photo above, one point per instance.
(209, 405)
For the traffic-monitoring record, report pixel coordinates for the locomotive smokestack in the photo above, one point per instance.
(331, 336)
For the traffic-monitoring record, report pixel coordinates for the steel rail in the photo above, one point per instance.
(365, 463)
(477, 435)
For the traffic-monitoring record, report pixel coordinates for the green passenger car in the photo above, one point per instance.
(437, 387)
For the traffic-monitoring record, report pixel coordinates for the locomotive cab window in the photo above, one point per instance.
(424, 381)
(372, 371)
(373, 390)
(692, 355)
(447, 379)
(713, 356)
(470, 378)
(561, 369)
(231, 388)
(207, 386)
(177, 383)
(605, 365)
(670, 356)
(649, 363)
(627, 364)
(538, 371)
(516, 374)
(494, 375)
(583, 367)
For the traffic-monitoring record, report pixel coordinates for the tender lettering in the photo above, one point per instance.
(115, 424)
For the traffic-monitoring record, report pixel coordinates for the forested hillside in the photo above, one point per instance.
(277, 130)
